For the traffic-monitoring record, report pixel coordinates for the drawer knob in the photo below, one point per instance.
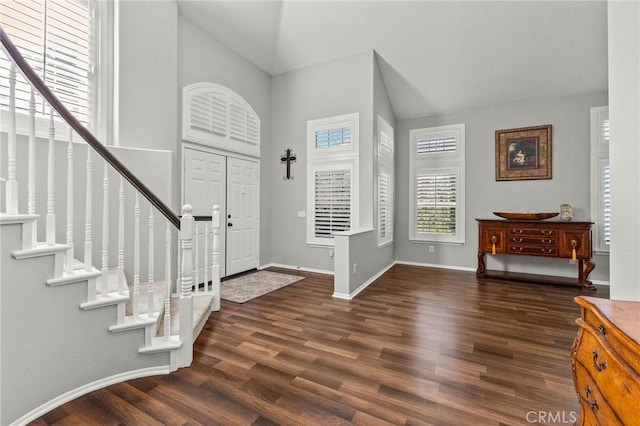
(593, 405)
(546, 232)
(602, 330)
(516, 248)
(587, 392)
(517, 240)
(546, 251)
(598, 366)
(546, 241)
(517, 231)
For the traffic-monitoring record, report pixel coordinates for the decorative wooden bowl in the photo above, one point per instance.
(526, 216)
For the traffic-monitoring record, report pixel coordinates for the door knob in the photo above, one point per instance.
(229, 224)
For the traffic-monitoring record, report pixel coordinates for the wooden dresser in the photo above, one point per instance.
(605, 361)
(553, 239)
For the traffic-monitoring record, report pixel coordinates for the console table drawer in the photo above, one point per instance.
(529, 240)
(532, 250)
(535, 232)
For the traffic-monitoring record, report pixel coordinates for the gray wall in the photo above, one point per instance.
(202, 58)
(570, 183)
(333, 88)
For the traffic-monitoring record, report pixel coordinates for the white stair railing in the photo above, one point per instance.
(82, 245)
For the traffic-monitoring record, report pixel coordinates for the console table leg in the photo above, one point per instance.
(482, 267)
(585, 266)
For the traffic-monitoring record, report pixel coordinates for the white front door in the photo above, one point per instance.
(205, 184)
(242, 215)
(232, 184)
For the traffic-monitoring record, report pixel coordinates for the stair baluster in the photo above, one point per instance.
(167, 296)
(196, 274)
(88, 228)
(70, 182)
(206, 257)
(51, 188)
(31, 180)
(135, 300)
(104, 286)
(215, 257)
(121, 237)
(150, 277)
(12, 183)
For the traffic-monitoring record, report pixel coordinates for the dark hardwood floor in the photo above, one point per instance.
(419, 346)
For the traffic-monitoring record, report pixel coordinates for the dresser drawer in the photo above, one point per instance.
(594, 407)
(610, 334)
(618, 386)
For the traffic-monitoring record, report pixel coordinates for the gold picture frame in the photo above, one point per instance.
(523, 153)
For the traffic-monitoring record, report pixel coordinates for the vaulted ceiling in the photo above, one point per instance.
(435, 56)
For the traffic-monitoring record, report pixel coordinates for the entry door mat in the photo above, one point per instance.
(256, 284)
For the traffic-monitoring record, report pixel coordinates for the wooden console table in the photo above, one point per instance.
(556, 239)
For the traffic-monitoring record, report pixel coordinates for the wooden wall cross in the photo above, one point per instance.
(288, 158)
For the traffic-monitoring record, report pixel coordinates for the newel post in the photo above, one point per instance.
(186, 284)
(215, 258)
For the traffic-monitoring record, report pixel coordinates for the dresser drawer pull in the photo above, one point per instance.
(598, 366)
(546, 241)
(517, 231)
(546, 251)
(546, 232)
(593, 405)
(517, 240)
(516, 248)
(602, 330)
(587, 392)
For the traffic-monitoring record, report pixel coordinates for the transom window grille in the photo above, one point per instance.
(56, 37)
(328, 138)
(436, 145)
(437, 184)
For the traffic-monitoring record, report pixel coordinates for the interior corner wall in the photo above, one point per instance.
(332, 88)
(202, 58)
(570, 183)
(624, 116)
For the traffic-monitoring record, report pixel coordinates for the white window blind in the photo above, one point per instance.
(385, 181)
(216, 116)
(606, 204)
(436, 203)
(332, 202)
(437, 184)
(56, 38)
(600, 178)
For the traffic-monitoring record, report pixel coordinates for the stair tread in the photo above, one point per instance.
(201, 313)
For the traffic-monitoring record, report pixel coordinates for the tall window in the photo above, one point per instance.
(600, 178)
(437, 184)
(385, 182)
(332, 177)
(60, 41)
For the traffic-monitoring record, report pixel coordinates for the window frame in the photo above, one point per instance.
(599, 161)
(438, 163)
(332, 158)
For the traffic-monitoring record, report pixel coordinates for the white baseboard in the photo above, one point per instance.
(89, 387)
(433, 265)
(364, 285)
(295, 268)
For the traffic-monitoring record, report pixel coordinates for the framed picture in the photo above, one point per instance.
(524, 153)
